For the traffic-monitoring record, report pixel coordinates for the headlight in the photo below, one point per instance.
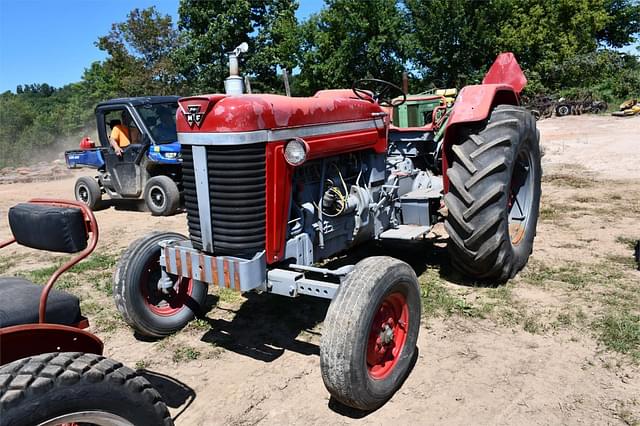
(295, 152)
(170, 155)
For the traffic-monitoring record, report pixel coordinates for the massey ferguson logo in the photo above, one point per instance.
(193, 115)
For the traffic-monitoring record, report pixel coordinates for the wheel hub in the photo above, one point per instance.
(84, 194)
(520, 198)
(387, 336)
(157, 197)
(162, 298)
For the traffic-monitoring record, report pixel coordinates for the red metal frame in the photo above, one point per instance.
(91, 228)
(20, 341)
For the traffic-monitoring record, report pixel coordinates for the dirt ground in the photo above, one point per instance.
(559, 344)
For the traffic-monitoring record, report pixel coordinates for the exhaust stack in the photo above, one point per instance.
(233, 85)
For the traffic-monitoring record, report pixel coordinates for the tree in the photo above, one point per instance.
(455, 39)
(622, 24)
(350, 40)
(140, 58)
(276, 46)
(213, 29)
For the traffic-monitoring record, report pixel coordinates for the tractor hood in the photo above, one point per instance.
(245, 113)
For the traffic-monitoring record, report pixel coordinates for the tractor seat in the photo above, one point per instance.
(20, 300)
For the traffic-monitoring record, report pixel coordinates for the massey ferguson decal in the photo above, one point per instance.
(193, 115)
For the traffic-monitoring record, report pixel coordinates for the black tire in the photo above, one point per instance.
(563, 110)
(162, 196)
(145, 308)
(44, 387)
(87, 191)
(345, 353)
(493, 200)
(536, 114)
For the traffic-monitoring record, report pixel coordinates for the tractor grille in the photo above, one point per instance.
(237, 196)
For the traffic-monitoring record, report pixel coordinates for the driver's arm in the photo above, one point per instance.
(113, 141)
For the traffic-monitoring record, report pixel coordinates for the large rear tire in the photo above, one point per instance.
(369, 338)
(162, 196)
(87, 191)
(77, 388)
(494, 195)
(144, 307)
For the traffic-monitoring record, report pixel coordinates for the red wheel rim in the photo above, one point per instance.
(158, 302)
(387, 335)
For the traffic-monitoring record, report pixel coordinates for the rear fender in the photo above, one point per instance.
(501, 85)
(473, 105)
(21, 341)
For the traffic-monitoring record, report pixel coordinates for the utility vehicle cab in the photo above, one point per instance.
(149, 163)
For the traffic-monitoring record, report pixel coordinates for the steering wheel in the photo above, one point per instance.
(382, 92)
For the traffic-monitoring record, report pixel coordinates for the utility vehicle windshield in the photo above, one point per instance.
(160, 119)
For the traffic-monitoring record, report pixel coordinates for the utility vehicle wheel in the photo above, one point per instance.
(147, 309)
(162, 196)
(370, 333)
(88, 191)
(76, 388)
(563, 110)
(494, 195)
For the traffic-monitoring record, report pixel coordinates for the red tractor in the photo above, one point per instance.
(274, 185)
(52, 371)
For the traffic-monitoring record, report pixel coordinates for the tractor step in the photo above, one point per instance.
(405, 232)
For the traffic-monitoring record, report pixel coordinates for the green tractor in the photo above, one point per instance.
(424, 108)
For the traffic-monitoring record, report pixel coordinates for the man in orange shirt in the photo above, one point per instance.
(123, 135)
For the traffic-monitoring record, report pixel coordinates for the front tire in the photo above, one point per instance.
(162, 196)
(72, 387)
(494, 196)
(369, 339)
(87, 191)
(144, 307)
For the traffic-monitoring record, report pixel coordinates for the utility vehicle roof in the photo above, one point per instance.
(139, 101)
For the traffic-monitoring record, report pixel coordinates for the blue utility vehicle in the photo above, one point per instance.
(150, 167)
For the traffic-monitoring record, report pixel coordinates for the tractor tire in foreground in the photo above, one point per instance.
(77, 388)
(369, 340)
(494, 196)
(162, 196)
(144, 307)
(87, 191)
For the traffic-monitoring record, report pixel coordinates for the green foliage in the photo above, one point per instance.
(140, 60)
(556, 42)
(211, 30)
(621, 332)
(454, 40)
(350, 40)
(39, 120)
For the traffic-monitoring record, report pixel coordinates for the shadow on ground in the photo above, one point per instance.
(266, 325)
(174, 393)
(420, 255)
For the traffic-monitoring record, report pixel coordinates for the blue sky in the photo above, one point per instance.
(51, 41)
